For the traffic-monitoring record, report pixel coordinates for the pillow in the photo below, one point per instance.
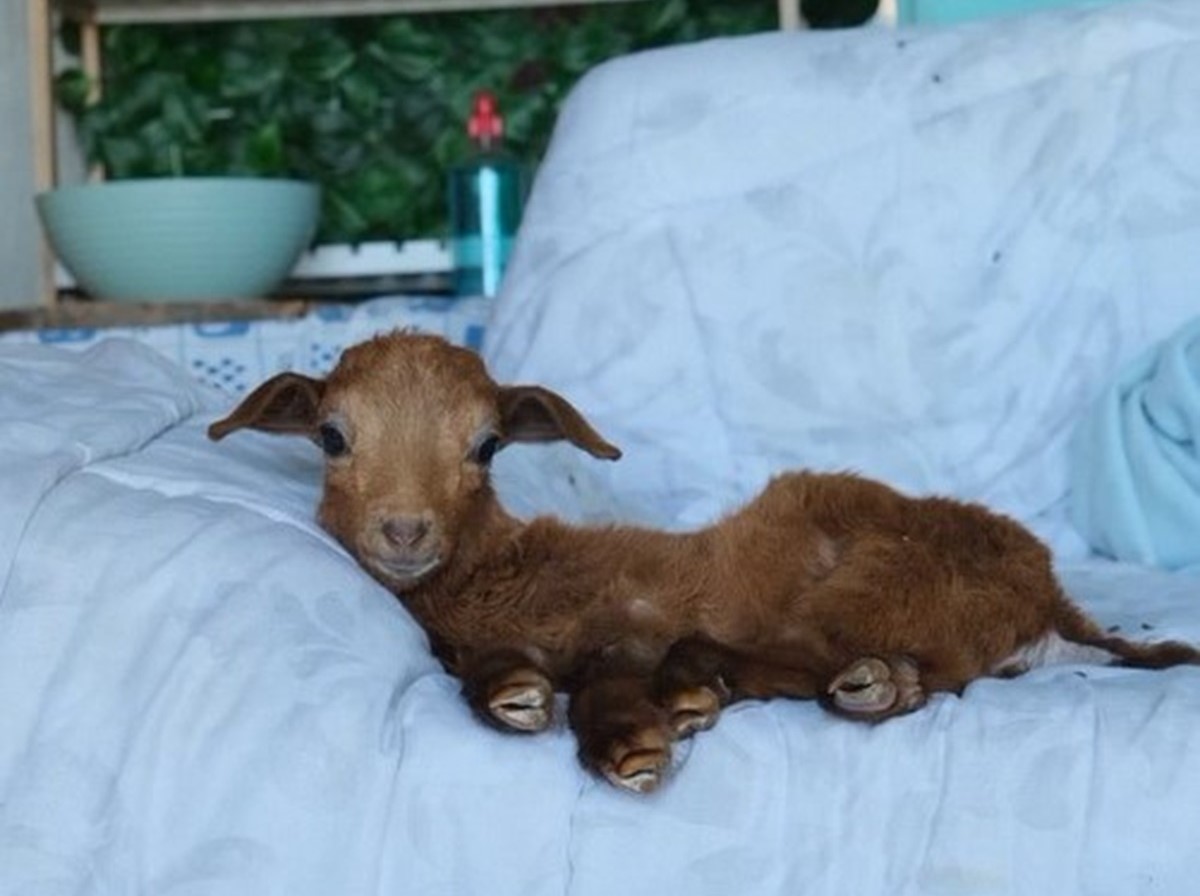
(914, 254)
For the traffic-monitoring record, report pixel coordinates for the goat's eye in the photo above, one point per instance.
(333, 443)
(486, 450)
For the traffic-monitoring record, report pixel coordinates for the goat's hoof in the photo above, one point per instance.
(639, 763)
(695, 709)
(874, 688)
(524, 701)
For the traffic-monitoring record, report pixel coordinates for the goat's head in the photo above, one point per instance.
(408, 425)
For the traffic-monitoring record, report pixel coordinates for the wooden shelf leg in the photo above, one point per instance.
(789, 15)
(41, 103)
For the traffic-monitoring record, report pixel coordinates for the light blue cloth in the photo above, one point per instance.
(1136, 474)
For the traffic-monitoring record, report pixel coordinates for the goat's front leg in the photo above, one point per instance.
(623, 734)
(509, 690)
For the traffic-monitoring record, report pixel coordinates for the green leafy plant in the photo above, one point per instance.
(372, 109)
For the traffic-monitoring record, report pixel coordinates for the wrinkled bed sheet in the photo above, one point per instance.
(1136, 473)
(202, 693)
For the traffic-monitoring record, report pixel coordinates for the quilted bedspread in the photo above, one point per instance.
(203, 694)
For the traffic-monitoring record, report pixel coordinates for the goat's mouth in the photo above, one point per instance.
(404, 573)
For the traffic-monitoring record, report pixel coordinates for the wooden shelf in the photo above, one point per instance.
(75, 314)
(162, 11)
(92, 15)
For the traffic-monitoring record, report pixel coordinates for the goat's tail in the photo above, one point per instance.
(1074, 626)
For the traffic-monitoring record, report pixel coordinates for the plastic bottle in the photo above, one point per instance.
(487, 194)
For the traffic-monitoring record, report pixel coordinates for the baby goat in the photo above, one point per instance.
(824, 586)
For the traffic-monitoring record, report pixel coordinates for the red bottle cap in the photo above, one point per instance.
(486, 124)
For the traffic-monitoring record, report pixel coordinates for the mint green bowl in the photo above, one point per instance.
(180, 239)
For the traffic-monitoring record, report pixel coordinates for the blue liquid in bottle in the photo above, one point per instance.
(487, 196)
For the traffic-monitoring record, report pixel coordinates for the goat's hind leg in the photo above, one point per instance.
(691, 684)
(874, 688)
(699, 677)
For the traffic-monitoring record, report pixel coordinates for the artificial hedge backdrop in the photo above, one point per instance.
(371, 108)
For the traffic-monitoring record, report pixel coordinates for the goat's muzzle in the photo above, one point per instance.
(403, 549)
(405, 532)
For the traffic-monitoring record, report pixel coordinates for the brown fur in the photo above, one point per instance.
(825, 586)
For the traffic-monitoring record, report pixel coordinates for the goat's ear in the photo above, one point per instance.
(286, 403)
(535, 414)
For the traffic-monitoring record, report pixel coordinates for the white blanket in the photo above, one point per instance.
(202, 693)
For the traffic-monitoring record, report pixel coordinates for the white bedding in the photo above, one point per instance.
(202, 694)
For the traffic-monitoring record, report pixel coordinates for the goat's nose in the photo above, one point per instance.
(405, 531)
